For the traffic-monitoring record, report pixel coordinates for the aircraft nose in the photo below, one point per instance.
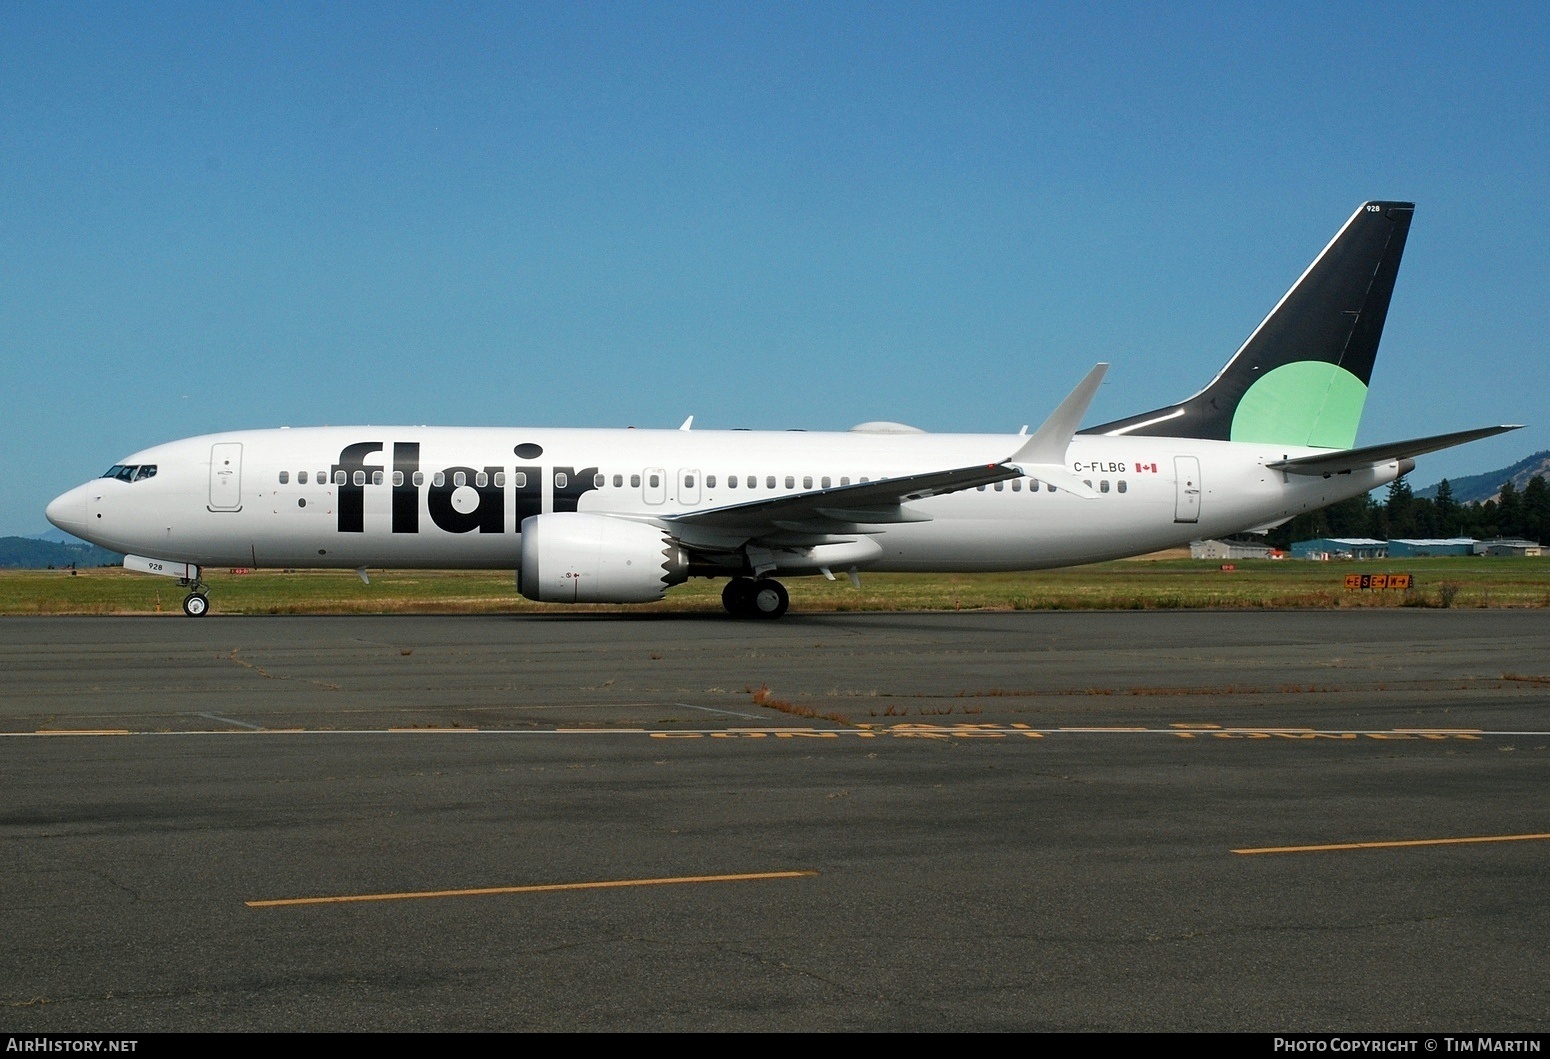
(68, 511)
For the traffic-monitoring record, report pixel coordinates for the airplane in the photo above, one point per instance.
(622, 515)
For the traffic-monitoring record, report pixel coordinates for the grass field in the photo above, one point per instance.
(1137, 584)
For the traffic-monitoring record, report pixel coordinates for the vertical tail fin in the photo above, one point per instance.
(1302, 376)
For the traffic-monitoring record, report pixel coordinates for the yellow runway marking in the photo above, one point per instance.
(82, 731)
(1393, 845)
(546, 888)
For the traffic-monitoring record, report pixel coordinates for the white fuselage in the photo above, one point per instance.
(391, 496)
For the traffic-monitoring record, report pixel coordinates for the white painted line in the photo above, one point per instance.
(231, 720)
(729, 713)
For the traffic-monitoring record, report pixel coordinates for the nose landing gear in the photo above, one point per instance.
(747, 597)
(196, 604)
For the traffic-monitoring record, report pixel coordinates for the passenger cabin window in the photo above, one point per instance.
(500, 479)
(844, 480)
(459, 479)
(807, 482)
(618, 481)
(341, 478)
(301, 477)
(418, 478)
(1000, 487)
(634, 481)
(710, 481)
(599, 480)
(439, 479)
(1122, 486)
(481, 479)
(731, 481)
(1033, 486)
(520, 479)
(360, 477)
(656, 480)
(376, 477)
(1017, 485)
(769, 482)
(824, 481)
(1103, 486)
(285, 477)
(791, 483)
(688, 481)
(561, 480)
(752, 482)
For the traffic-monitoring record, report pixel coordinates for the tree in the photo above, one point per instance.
(1509, 511)
(1447, 510)
(1398, 509)
(1536, 509)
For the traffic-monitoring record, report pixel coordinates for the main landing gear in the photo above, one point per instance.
(747, 597)
(196, 604)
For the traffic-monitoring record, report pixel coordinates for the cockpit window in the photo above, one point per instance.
(131, 472)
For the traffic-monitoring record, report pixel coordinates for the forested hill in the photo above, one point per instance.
(1478, 488)
(34, 554)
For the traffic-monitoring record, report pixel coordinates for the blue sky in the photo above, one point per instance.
(218, 216)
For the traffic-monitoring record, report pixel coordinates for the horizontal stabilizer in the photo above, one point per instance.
(1348, 460)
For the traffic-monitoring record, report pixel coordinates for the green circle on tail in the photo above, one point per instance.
(1307, 402)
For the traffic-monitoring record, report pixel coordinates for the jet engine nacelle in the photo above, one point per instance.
(570, 557)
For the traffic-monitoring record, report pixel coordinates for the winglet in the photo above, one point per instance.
(1049, 442)
(1043, 456)
(687, 424)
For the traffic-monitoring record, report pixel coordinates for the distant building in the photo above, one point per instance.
(1231, 549)
(1416, 549)
(1341, 548)
(1401, 548)
(1508, 546)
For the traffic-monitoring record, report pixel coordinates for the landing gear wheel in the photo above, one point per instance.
(737, 596)
(196, 605)
(768, 599)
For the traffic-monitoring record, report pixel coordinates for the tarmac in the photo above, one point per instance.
(1261, 821)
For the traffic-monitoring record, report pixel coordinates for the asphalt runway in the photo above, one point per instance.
(1334, 820)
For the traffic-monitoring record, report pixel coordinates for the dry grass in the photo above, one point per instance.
(763, 697)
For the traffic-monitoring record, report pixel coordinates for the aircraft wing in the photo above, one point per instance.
(845, 508)
(840, 509)
(1348, 460)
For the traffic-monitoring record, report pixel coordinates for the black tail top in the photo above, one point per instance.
(1302, 376)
